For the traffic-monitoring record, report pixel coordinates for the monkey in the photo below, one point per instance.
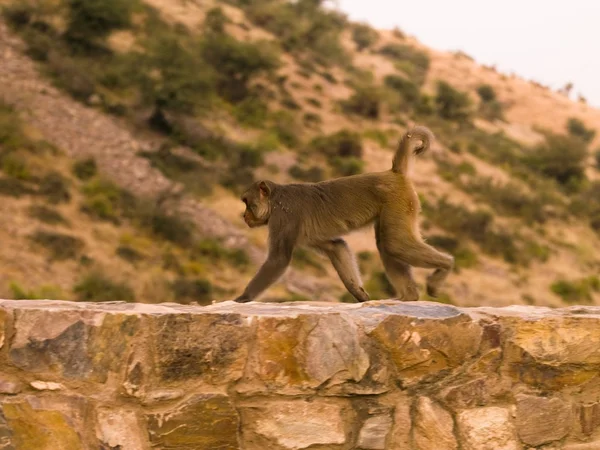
(319, 214)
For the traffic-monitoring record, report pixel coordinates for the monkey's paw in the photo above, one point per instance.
(432, 291)
(243, 299)
(362, 295)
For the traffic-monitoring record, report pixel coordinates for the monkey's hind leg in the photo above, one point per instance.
(344, 263)
(420, 254)
(398, 272)
(400, 245)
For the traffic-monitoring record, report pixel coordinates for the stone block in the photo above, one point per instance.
(204, 421)
(489, 428)
(433, 427)
(293, 424)
(542, 420)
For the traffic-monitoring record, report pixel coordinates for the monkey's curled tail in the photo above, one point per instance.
(402, 156)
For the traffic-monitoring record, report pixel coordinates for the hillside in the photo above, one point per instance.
(129, 128)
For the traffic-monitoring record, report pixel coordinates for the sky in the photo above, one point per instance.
(552, 42)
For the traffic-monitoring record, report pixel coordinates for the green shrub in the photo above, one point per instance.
(42, 293)
(55, 188)
(509, 199)
(284, 126)
(172, 76)
(365, 102)
(576, 291)
(182, 169)
(486, 93)
(408, 90)
(379, 136)
(129, 254)
(311, 119)
(88, 19)
(251, 111)
(412, 60)
(97, 287)
(188, 290)
(364, 36)
(85, 169)
(11, 187)
(106, 201)
(46, 215)
(12, 136)
(347, 166)
(215, 20)
(170, 228)
(314, 102)
(61, 246)
(452, 104)
(312, 174)
(344, 143)
(302, 26)
(577, 128)
(214, 251)
(237, 63)
(561, 158)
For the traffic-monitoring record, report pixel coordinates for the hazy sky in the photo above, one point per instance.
(553, 42)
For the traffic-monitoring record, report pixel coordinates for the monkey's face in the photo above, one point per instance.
(258, 205)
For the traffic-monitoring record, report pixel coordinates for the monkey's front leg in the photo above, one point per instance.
(278, 260)
(344, 263)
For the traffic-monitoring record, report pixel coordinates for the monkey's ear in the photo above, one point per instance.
(264, 189)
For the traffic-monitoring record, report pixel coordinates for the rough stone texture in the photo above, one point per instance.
(487, 428)
(433, 427)
(294, 424)
(373, 433)
(542, 420)
(382, 375)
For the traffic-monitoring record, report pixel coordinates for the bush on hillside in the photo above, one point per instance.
(97, 287)
(451, 103)
(486, 93)
(577, 128)
(561, 158)
(408, 90)
(365, 102)
(412, 61)
(364, 36)
(91, 19)
(576, 291)
(60, 246)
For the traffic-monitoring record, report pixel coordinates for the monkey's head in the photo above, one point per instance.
(257, 199)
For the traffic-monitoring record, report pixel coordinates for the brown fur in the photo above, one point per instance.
(317, 214)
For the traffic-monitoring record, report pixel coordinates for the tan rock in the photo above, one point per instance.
(433, 427)
(120, 429)
(400, 438)
(589, 417)
(542, 420)
(303, 352)
(489, 428)
(10, 386)
(55, 423)
(46, 386)
(373, 434)
(76, 344)
(293, 424)
(203, 421)
(426, 339)
(212, 347)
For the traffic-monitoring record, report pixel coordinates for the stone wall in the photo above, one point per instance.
(380, 375)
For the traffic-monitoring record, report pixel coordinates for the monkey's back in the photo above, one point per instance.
(331, 208)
